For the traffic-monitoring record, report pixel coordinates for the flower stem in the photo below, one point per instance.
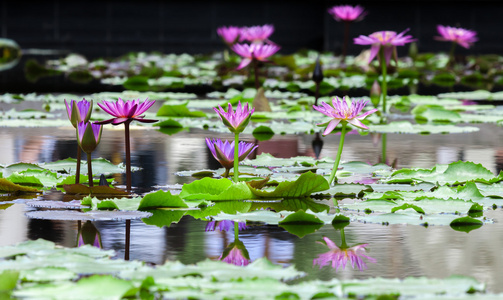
(339, 153)
(236, 230)
(451, 55)
(255, 68)
(226, 173)
(89, 169)
(343, 240)
(128, 157)
(79, 158)
(384, 84)
(236, 157)
(346, 41)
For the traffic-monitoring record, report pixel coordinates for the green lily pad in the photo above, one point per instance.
(215, 190)
(466, 224)
(161, 199)
(406, 127)
(179, 111)
(7, 186)
(304, 186)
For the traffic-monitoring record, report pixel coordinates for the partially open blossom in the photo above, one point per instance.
(341, 111)
(388, 40)
(229, 34)
(347, 13)
(257, 34)
(340, 256)
(89, 136)
(224, 225)
(126, 111)
(465, 38)
(223, 151)
(250, 52)
(236, 254)
(237, 120)
(79, 111)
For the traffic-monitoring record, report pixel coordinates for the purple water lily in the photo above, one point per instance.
(257, 34)
(250, 52)
(125, 112)
(89, 136)
(223, 152)
(340, 256)
(464, 37)
(236, 121)
(229, 34)
(347, 13)
(78, 111)
(224, 225)
(385, 40)
(341, 112)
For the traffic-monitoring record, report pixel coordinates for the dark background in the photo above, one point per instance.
(112, 28)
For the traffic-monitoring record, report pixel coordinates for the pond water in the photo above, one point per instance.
(399, 250)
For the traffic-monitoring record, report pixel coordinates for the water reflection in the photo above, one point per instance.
(89, 235)
(340, 255)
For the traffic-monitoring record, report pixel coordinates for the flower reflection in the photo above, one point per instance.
(340, 255)
(224, 225)
(236, 254)
(89, 235)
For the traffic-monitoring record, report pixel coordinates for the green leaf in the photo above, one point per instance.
(179, 111)
(8, 280)
(137, 83)
(161, 218)
(406, 127)
(161, 199)
(466, 224)
(215, 190)
(407, 206)
(263, 133)
(301, 217)
(304, 186)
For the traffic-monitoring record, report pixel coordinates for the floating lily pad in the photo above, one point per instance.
(52, 204)
(216, 190)
(406, 127)
(7, 186)
(161, 199)
(87, 216)
(304, 186)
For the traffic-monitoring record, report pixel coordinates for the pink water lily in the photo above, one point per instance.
(223, 152)
(126, 111)
(347, 13)
(237, 120)
(250, 52)
(341, 111)
(229, 34)
(340, 256)
(465, 38)
(257, 34)
(224, 225)
(79, 111)
(388, 40)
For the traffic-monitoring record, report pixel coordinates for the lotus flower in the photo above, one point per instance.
(229, 34)
(79, 111)
(340, 256)
(465, 38)
(258, 52)
(257, 34)
(236, 254)
(341, 111)
(347, 13)
(388, 40)
(89, 136)
(126, 111)
(237, 120)
(224, 225)
(223, 152)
